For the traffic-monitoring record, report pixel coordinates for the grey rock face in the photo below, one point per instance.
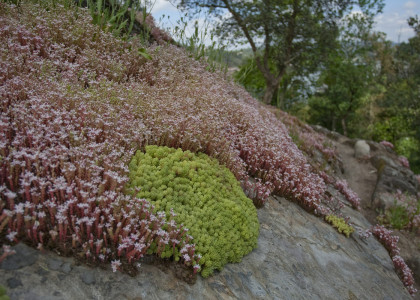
(331, 134)
(391, 177)
(414, 263)
(299, 256)
(14, 282)
(25, 256)
(88, 277)
(361, 149)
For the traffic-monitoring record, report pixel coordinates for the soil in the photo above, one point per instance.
(361, 176)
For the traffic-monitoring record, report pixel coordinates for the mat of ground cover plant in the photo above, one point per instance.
(299, 256)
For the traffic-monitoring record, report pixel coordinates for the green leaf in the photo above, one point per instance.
(143, 52)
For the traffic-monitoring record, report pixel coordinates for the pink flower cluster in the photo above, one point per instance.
(404, 161)
(75, 105)
(257, 191)
(6, 252)
(350, 195)
(387, 144)
(405, 273)
(390, 243)
(309, 139)
(65, 144)
(159, 35)
(411, 206)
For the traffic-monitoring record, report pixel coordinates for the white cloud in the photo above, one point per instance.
(394, 25)
(410, 5)
(160, 6)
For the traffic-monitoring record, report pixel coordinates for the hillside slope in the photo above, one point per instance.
(77, 103)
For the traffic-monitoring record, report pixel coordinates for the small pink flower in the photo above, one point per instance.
(115, 264)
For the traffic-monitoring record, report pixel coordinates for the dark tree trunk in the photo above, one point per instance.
(344, 125)
(271, 84)
(269, 93)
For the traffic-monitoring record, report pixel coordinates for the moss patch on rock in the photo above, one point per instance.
(206, 198)
(340, 224)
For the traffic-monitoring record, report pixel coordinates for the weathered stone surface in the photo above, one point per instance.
(414, 264)
(66, 268)
(331, 134)
(88, 276)
(54, 264)
(299, 256)
(361, 149)
(391, 177)
(13, 282)
(25, 256)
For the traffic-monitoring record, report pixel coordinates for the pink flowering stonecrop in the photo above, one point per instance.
(75, 105)
(390, 243)
(65, 147)
(308, 139)
(387, 144)
(6, 252)
(350, 195)
(404, 161)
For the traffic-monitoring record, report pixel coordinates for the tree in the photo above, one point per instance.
(285, 35)
(399, 117)
(347, 75)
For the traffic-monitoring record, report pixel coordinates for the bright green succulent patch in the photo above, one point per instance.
(206, 198)
(340, 224)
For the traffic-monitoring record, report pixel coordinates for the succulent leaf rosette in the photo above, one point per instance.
(205, 197)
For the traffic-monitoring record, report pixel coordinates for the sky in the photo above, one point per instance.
(393, 20)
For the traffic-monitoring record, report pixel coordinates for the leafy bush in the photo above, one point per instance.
(340, 224)
(396, 216)
(206, 198)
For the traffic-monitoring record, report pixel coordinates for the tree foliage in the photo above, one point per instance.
(346, 76)
(372, 87)
(289, 36)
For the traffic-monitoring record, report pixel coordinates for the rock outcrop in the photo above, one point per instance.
(299, 256)
(392, 176)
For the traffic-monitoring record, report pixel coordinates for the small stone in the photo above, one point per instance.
(88, 277)
(14, 282)
(66, 268)
(41, 271)
(361, 149)
(61, 276)
(54, 264)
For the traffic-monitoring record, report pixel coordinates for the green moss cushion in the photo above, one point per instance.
(206, 198)
(340, 224)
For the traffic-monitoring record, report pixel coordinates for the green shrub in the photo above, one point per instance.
(395, 216)
(206, 198)
(404, 214)
(340, 224)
